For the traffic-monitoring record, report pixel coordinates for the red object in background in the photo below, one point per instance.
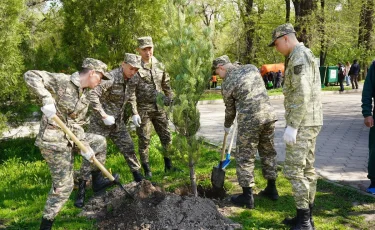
(272, 67)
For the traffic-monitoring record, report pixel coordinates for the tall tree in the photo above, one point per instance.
(365, 33)
(303, 11)
(322, 35)
(249, 26)
(11, 67)
(287, 11)
(187, 54)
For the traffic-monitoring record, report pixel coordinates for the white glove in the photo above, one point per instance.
(227, 130)
(89, 154)
(137, 120)
(49, 110)
(290, 135)
(109, 120)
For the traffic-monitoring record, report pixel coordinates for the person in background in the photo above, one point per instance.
(214, 81)
(341, 76)
(347, 69)
(354, 72)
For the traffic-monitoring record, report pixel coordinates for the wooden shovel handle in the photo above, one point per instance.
(82, 147)
(233, 134)
(223, 148)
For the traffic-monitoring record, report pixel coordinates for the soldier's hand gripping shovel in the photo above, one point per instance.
(227, 156)
(84, 149)
(218, 173)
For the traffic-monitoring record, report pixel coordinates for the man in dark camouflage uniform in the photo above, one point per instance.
(304, 119)
(244, 93)
(66, 97)
(108, 103)
(151, 81)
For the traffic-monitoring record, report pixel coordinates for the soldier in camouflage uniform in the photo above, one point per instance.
(304, 119)
(66, 97)
(244, 94)
(108, 103)
(151, 81)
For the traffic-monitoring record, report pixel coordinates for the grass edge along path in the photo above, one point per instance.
(26, 182)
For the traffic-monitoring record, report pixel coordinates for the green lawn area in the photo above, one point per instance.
(26, 182)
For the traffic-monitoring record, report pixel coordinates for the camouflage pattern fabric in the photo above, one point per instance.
(280, 31)
(303, 111)
(244, 93)
(144, 42)
(71, 103)
(299, 166)
(133, 60)
(146, 85)
(250, 139)
(109, 98)
(302, 89)
(60, 164)
(97, 65)
(222, 60)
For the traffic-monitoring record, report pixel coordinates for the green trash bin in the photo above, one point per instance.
(328, 75)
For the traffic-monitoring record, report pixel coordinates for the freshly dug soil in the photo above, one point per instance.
(152, 208)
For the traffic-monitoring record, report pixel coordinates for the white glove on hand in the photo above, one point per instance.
(290, 135)
(227, 130)
(49, 110)
(89, 154)
(109, 120)
(137, 120)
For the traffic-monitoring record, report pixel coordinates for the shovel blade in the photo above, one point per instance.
(217, 177)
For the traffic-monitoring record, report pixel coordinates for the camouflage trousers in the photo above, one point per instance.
(299, 166)
(122, 140)
(160, 122)
(250, 139)
(61, 164)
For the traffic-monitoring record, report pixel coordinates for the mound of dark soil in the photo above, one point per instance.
(152, 208)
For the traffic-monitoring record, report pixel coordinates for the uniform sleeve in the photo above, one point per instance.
(299, 93)
(166, 86)
(38, 82)
(95, 95)
(230, 106)
(368, 92)
(130, 93)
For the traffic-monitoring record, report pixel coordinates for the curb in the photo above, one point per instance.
(278, 97)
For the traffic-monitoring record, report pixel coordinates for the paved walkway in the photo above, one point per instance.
(342, 145)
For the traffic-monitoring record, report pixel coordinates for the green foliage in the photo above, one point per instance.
(107, 29)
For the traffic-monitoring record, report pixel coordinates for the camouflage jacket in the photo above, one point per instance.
(244, 92)
(71, 103)
(302, 89)
(109, 97)
(146, 85)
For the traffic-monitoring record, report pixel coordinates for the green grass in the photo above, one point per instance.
(211, 95)
(26, 181)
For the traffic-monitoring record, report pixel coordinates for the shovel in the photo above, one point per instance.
(227, 156)
(84, 149)
(218, 173)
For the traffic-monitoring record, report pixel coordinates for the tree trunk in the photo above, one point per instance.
(287, 15)
(322, 35)
(249, 31)
(193, 179)
(303, 10)
(365, 33)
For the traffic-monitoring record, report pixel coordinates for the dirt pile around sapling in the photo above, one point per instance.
(153, 208)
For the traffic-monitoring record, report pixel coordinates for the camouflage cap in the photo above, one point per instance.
(144, 42)
(133, 60)
(280, 31)
(222, 60)
(97, 65)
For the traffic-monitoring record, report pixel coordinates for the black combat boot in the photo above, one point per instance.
(303, 220)
(46, 224)
(293, 221)
(147, 170)
(80, 199)
(99, 182)
(245, 199)
(137, 176)
(168, 166)
(270, 191)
